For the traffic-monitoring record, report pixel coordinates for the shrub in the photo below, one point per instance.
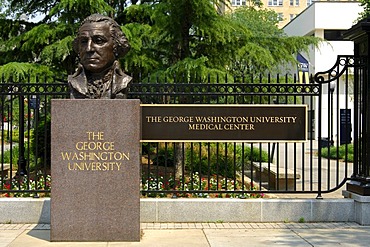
(338, 152)
(6, 137)
(15, 136)
(212, 158)
(222, 159)
(10, 156)
(164, 157)
(41, 142)
(146, 148)
(255, 154)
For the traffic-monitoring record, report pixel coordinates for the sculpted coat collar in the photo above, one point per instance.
(78, 83)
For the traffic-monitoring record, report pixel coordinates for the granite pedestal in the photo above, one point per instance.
(95, 170)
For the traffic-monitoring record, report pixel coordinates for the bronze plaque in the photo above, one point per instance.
(219, 123)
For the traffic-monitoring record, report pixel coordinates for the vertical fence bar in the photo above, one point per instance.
(331, 88)
(21, 159)
(337, 118)
(356, 123)
(319, 145)
(10, 131)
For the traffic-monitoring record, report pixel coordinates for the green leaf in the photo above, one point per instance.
(26, 72)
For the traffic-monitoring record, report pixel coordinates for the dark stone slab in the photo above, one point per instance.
(95, 170)
(362, 190)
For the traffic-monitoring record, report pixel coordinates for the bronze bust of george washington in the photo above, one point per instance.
(99, 43)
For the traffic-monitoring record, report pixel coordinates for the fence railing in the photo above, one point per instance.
(192, 169)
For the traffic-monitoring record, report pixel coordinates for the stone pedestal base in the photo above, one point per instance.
(361, 207)
(95, 170)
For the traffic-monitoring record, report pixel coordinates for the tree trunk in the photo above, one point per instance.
(179, 160)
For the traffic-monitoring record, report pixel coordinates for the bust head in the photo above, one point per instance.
(99, 42)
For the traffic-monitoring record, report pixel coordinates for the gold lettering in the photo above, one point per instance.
(177, 119)
(66, 156)
(95, 146)
(93, 135)
(87, 166)
(118, 166)
(153, 119)
(95, 166)
(75, 156)
(126, 156)
(105, 167)
(78, 167)
(228, 127)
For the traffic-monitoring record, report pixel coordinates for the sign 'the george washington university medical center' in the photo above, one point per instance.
(221, 123)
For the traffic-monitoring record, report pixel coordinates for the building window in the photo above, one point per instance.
(280, 16)
(275, 3)
(292, 16)
(309, 2)
(333, 35)
(292, 2)
(238, 2)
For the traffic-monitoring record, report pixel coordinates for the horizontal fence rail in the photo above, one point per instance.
(191, 169)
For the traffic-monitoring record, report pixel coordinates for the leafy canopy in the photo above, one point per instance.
(167, 37)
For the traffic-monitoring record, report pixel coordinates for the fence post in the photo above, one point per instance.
(359, 34)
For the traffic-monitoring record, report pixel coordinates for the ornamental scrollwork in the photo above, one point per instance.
(341, 65)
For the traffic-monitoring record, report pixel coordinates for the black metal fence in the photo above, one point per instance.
(245, 169)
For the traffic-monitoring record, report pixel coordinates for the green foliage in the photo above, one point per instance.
(189, 33)
(26, 183)
(10, 157)
(185, 37)
(140, 58)
(70, 11)
(338, 152)
(37, 37)
(196, 182)
(212, 158)
(191, 37)
(14, 137)
(146, 148)
(57, 52)
(16, 71)
(27, 47)
(222, 159)
(263, 47)
(41, 142)
(164, 157)
(366, 12)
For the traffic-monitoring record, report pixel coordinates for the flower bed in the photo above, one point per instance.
(217, 187)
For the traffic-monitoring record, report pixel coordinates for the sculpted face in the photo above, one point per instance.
(95, 45)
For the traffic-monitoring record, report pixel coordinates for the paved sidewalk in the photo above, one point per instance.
(207, 234)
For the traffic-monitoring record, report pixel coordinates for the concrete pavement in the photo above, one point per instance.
(207, 234)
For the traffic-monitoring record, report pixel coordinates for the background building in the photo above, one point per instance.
(286, 9)
(327, 20)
